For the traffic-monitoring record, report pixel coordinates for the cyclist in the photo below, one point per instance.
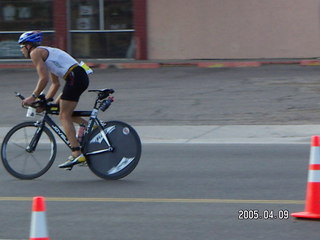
(58, 64)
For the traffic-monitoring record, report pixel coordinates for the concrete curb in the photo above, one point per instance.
(168, 63)
(15, 65)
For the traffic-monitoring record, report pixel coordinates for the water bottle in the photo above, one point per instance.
(31, 112)
(105, 104)
(80, 134)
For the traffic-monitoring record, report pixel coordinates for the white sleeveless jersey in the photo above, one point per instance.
(58, 61)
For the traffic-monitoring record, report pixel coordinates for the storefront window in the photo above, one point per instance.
(85, 14)
(9, 47)
(103, 45)
(97, 28)
(101, 28)
(18, 16)
(118, 15)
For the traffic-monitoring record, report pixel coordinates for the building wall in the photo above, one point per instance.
(216, 29)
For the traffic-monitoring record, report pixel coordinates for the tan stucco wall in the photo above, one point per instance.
(210, 29)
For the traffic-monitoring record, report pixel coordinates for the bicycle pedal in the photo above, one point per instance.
(68, 168)
(83, 164)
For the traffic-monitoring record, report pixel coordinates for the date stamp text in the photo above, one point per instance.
(255, 214)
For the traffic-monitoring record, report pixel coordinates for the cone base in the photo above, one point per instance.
(306, 215)
(39, 238)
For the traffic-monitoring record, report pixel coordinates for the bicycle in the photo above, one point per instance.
(112, 149)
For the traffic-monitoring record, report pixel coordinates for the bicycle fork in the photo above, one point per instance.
(36, 137)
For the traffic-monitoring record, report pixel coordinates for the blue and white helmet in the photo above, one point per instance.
(31, 37)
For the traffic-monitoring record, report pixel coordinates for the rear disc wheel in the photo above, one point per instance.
(124, 156)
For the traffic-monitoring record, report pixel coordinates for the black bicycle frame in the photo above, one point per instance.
(56, 129)
(93, 119)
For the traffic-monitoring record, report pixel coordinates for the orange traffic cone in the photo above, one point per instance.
(38, 230)
(312, 207)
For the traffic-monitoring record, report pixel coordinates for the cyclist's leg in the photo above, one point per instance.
(66, 110)
(78, 120)
(76, 83)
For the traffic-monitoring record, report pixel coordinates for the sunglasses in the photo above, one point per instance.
(22, 46)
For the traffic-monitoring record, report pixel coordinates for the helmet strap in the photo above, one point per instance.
(29, 50)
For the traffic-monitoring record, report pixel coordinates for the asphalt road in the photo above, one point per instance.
(275, 94)
(178, 191)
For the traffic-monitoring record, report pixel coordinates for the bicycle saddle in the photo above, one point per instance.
(103, 93)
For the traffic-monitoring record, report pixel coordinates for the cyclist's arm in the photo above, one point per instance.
(37, 57)
(55, 84)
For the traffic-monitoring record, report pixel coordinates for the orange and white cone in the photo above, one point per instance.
(38, 230)
(312, 207)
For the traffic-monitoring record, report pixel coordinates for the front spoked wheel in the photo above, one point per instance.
(119, 160)
(28, 152)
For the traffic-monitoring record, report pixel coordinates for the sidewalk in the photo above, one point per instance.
(229, 134)
(148, 64)
(215, 134)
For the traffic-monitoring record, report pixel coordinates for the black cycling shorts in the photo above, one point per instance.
(76, 83)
